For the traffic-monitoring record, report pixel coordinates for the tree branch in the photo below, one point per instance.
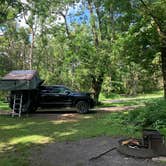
(66, 26)
(155, 18)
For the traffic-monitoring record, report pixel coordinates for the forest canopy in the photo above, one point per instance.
(106, 46)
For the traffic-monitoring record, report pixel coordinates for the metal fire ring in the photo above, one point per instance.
(135, 152)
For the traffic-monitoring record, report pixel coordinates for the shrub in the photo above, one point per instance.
(154, 115)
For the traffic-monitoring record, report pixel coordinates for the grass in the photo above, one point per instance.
(111, 96)
(4, 106)
(152, 94)
(18, 136)
(141, 99)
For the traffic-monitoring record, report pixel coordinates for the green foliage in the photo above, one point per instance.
(9, 10)
(3, 106)
(153, 115)
(151, 112)
(115, 49)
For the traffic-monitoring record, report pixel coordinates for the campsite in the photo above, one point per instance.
(83, 83)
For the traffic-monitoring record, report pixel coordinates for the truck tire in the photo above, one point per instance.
(82, 107)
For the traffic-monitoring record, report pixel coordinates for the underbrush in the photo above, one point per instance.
(110, 96)
(152, 115)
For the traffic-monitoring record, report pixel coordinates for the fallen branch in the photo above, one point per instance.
(94, 158)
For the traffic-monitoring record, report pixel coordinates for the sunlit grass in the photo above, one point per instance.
(22, 134)
(111, 96)
(4, 106)
(37, 139)
(41, 132)
(152, 94)
(141, 100)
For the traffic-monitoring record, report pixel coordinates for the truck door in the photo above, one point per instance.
(61, 97)
(46, 94)
(55, 97)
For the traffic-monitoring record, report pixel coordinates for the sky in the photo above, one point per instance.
(72, 15)
(76, 14)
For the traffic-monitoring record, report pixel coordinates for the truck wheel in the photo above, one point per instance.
(82, 107)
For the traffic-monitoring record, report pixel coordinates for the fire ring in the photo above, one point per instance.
(135, 151)
(151, 145)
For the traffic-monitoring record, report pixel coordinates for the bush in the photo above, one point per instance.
(3, 95)
(154, 115)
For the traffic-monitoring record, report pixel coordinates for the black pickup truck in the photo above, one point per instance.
(28, 85)
(57, 96)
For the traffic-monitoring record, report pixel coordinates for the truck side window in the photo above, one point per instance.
(55, 90)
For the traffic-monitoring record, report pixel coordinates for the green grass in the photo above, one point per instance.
(129, 102)
(141, 99)
(111, 96)
(4, 106)
(152, 94)
(18, 136)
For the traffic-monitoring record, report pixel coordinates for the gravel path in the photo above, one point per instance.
(79, 153)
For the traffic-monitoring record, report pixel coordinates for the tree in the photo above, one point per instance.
(9, 10)
(101, 41)
(156, 10)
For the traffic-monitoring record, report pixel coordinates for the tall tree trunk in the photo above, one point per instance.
(112, 22)
(97, 81)
(31, 51)
(97, 85)
(101, 36)
(162, 35)
(163, 59)
(95, 35)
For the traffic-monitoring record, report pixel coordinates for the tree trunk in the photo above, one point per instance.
(101, 36)
(96, 85)
(31, 51)
(95, 35)
(96, 80)
(112, 23)
(163, 59)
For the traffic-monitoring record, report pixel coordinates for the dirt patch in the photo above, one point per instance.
(118, 108)
(79, 153)
(70, 115)
(60, 117)
(5, 112)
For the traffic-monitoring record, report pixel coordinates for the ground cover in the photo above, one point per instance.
(18, 136)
